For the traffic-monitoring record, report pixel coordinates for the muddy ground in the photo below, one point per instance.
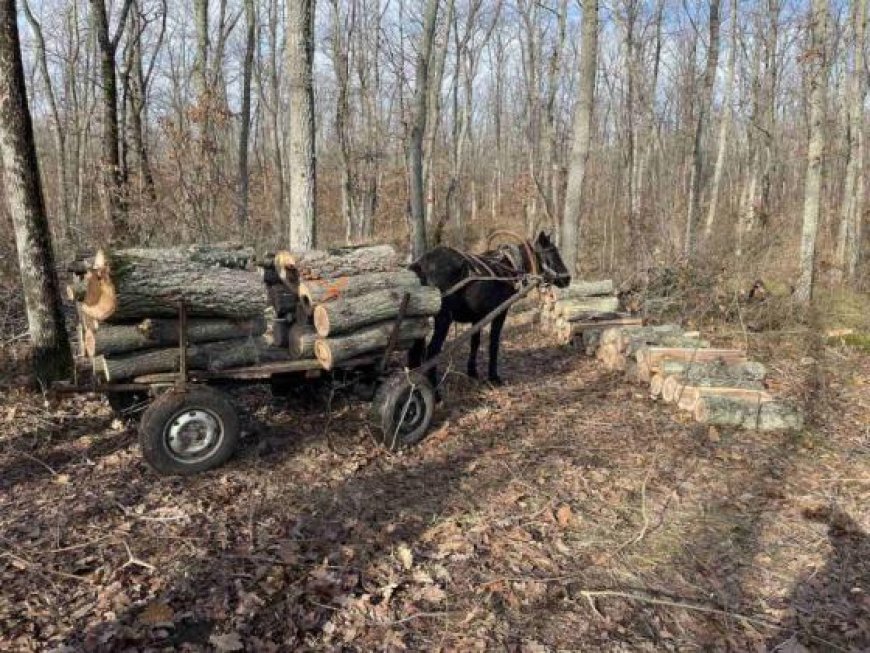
(564, 511)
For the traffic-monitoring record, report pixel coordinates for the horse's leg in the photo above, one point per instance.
(439, 334)
(472, 355)
(494, 341)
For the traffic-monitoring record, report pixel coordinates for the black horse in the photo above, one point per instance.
(446, 268)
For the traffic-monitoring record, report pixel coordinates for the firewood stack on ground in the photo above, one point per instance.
(719, 387)
(348, 300)
(580, 312)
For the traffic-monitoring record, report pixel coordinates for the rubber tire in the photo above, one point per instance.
(391, 397)
(169, 404)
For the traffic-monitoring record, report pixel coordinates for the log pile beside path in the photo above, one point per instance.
(241, 310)
(578, 314)
(348, 300)
(719, 387)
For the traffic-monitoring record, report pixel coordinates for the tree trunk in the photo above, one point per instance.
(344, 315)
(330, 351)
(767, 416)
(687, 397)
(156, 333)
(111, 163)
(580, 289)
(675, 389)
(695, 182)
(577, 309)
(128, 285)
(316, 292)
(245, 115)
(300, 159)
(848, 238)
(818, 71)
(724, 126)
(650, 359)
(417, 206)
(582, 137)
(692, 371)
(331, 264)
(211, 356)
(52, 357)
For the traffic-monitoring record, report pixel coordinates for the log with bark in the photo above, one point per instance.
(691, 371)
(317, 291)
(112, 339)
(649, 359)
(331, 351)
(583, 308)
(580, 289)
(330, 264)
(282, 299)
(622, 335)
(345, 315)
(630, 346)
(730, 411)
(212, 356)
(301, 341)
(687, 397)
(136, 284)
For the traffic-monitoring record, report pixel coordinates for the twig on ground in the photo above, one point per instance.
(133, 560)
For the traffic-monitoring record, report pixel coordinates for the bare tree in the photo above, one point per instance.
(817, 68)
(852, 210)
(300, 159)
(582, 137)
(51, 350)
(245, 114)
(414, 146)
(705, 103)
(111, 164)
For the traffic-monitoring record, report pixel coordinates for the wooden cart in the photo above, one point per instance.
(189, 424)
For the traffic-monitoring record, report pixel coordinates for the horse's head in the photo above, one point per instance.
(552, 266)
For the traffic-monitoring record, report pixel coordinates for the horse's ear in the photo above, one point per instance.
(543, 238)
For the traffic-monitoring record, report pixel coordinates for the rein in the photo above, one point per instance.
(477, 261)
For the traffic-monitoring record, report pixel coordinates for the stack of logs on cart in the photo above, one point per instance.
(240, 311)
(716, 386)
(349, 302)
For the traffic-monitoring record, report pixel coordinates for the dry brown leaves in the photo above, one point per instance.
(488, 536)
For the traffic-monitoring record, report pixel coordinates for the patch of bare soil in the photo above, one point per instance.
(563, 511)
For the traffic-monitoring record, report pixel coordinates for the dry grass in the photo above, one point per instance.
(564, 511)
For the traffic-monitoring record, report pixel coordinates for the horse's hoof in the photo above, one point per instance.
(496, 381)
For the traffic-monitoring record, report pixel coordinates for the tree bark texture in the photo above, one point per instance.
(134, 286)
(156, 333)
(300, 159)
(211, 356)
(766, 416)
(818, 71)
(580, 290)
(315, 292)
(294, 266)
(344, 315)
(414, 154)
(330, 351)
(582, 137)
(52, 356)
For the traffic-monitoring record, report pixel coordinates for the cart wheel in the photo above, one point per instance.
(189, 431)
(126, 404)
(402, 410)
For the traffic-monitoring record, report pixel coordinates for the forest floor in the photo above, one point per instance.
(562, 511)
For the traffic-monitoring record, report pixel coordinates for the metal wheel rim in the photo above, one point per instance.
(410, 412)
(193, 434)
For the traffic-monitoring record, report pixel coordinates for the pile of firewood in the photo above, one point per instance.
(347, 301)
(717, 386)
(128, 306)
(580, 312)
